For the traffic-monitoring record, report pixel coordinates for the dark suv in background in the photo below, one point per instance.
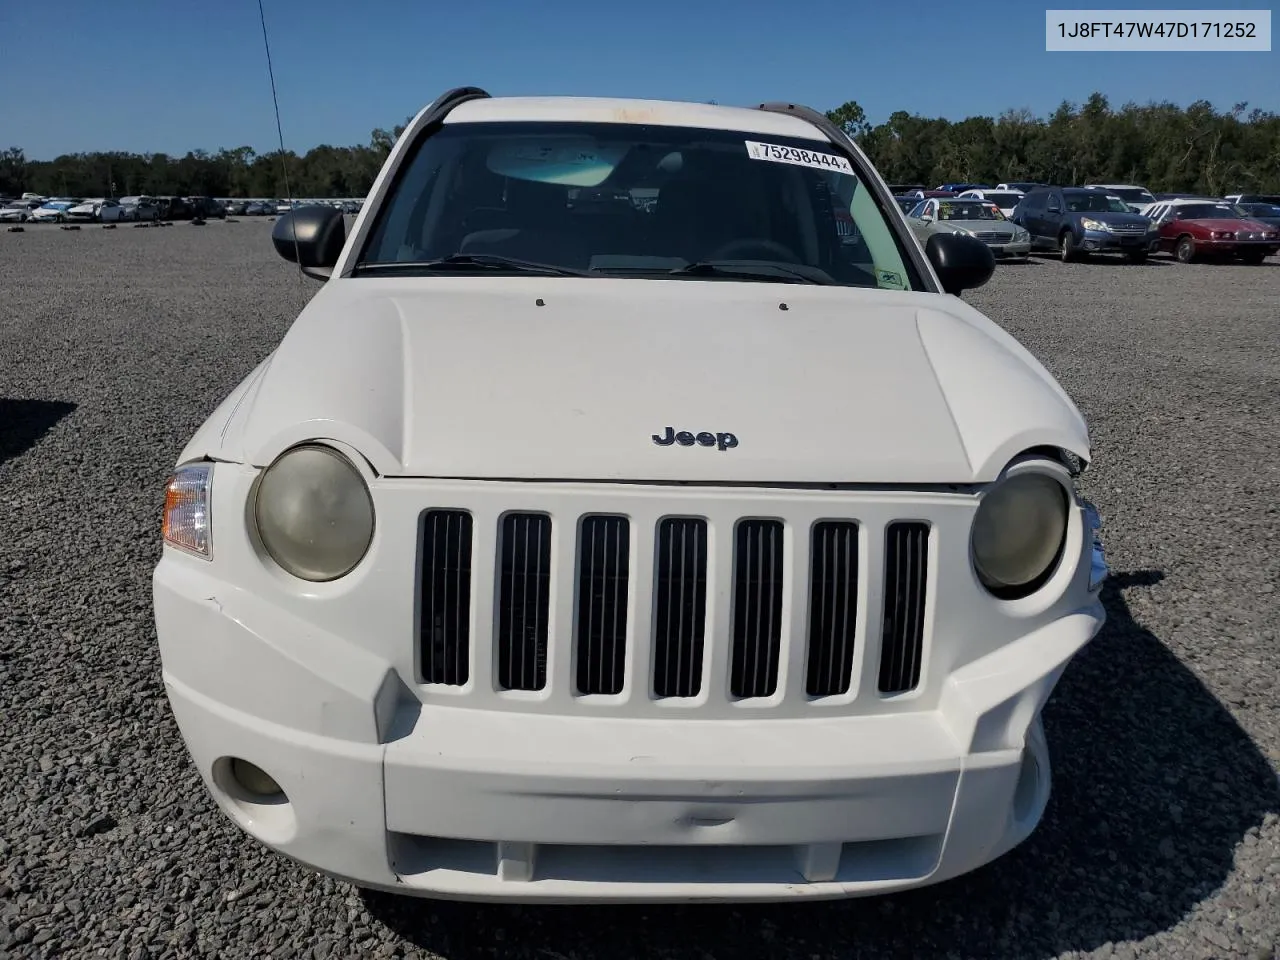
(1076, 221)
(206, 208)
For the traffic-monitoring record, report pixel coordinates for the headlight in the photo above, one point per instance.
(186, 510)
(313, 513)
(1090, 224)
(1018, 534)
(1098, 571)
(1020, 235)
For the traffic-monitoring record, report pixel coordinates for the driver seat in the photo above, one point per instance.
(697, 215)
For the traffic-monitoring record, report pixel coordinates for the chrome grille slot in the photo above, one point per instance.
(680, 606)
(604, 545)
(445, 597)
(906, 565)
(757, 608)
(833, 607)
(524, 600)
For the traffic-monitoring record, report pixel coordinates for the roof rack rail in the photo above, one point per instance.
(439, 108)
(818, 119)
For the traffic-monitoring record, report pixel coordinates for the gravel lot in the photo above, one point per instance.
(1162, 838)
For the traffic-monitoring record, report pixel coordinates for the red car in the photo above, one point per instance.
(1208, 229)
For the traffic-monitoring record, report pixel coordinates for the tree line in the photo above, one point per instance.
(1160, 145)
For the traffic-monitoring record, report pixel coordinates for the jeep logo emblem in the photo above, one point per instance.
(721, 441)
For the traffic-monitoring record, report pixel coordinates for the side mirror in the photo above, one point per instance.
(962, 262)
(311, 237)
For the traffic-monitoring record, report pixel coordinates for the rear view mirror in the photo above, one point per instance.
(962, 262)
(311, 237)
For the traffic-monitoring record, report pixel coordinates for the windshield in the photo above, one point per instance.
(968, 210)
(1132, 194)
(1094, 203)
(1208, 211)
(1002, 199)
(613, 199)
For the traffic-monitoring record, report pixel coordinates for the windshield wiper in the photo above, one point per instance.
(460, 262)
(780, 272)
(755, 270)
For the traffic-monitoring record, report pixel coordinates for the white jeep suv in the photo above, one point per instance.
(635, 513)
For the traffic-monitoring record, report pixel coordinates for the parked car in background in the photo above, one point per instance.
(1187, 196)
(1076, 222)
(261, 208)
(101, 209)
(1268, 213)
(173, 208)
(1006, 200)
(52, 211)
(977, 218)
(1272, 198)
(1135, 196)
(962, 187)
(1024, 186)
(925, 194)
(140, 208)
(1197, 230)
(905, 203)
(236, 208)
(206, 208)
(17, 211)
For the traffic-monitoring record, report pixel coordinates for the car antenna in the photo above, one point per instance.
(284, 165)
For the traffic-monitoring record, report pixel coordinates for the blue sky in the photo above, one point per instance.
(159, 75)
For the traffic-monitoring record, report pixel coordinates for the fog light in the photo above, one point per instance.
(253, 779)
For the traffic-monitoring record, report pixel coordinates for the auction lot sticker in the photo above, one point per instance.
(800, 157)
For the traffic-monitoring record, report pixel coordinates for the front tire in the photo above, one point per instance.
(1185, 251)
(1067, 247)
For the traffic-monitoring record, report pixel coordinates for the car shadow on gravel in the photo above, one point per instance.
(1154, 786)
(24, 422)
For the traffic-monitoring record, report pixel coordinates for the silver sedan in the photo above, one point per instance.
(978, 218)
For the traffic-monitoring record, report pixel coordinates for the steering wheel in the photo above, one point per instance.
(733, 250)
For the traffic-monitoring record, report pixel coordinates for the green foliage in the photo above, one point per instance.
(1160, 145)
(325, 171)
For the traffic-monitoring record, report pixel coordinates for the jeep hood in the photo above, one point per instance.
(570, 379)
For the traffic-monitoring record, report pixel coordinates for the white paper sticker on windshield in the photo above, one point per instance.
(889, 279)
(798, 156)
